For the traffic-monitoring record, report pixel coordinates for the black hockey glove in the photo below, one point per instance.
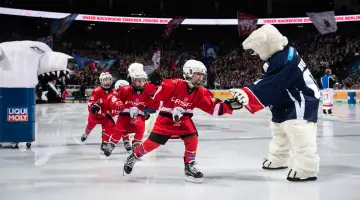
(234, 104)
(155, 78)
(95, 108)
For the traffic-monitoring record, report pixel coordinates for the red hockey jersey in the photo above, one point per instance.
(108, 104)
(178, 106)
(98, 95)
(132, 116)
(132, 98)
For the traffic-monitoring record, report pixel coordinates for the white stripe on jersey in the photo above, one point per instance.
(308, 79)
(299, 106)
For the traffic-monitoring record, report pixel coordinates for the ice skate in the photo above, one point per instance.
(330, 112)
(136, 144)
(192, 174)
(108, 148)
(129, 164)
(102, 147)
(84, 137)
(127, 146)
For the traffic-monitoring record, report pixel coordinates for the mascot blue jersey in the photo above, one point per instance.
(287, 87)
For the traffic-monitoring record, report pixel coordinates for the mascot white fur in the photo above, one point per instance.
(289, 90)
(21, 63)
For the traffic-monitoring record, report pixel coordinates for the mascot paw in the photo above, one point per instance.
(269, 165)
(299, 176)
(240, 95)
(233, 104)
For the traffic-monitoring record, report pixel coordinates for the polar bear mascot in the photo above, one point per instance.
(22, 63)
(289, 90)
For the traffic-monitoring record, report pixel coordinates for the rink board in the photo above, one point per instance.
(340, 96)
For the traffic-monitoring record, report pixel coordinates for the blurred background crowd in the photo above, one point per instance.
(128, 43)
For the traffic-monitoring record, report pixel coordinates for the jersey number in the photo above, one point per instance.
(326, 97)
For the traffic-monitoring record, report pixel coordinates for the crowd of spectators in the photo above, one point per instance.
(237, 68)
(232, 68)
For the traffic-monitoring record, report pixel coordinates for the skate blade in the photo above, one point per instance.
(124, 173)
(193, 180)
(77, 141)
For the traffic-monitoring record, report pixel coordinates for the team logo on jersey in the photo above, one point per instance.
(181, 103)
(185, 99)
(18, 115)
(178, 123)
(133, 103)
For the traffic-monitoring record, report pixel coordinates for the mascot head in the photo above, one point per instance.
(23, 62)
(265, 41)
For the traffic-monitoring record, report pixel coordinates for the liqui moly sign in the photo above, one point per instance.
(18, 115)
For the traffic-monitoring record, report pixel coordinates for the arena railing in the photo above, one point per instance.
(151, 20)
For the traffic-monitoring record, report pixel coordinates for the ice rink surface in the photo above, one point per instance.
(230, 153)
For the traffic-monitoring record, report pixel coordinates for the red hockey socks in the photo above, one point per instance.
(89, 127)
(105, 136)
(145, 148)
(115, 136)
(126, 137)
(138, 136)
(190, 148)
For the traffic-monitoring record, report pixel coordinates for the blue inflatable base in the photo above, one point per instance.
(17, 114)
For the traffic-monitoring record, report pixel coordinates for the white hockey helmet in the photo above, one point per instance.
(120, 83)
(138, 75)
(134, 67)
(105, 80)
(192, 67)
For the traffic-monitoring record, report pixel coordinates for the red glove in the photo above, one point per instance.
(118, 105)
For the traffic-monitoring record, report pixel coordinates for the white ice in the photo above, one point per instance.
(230, 154)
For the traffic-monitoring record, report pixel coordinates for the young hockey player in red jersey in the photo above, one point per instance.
(114, 112)
(132, 117)
(101, 110)
(180, 97)
(97, 110)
